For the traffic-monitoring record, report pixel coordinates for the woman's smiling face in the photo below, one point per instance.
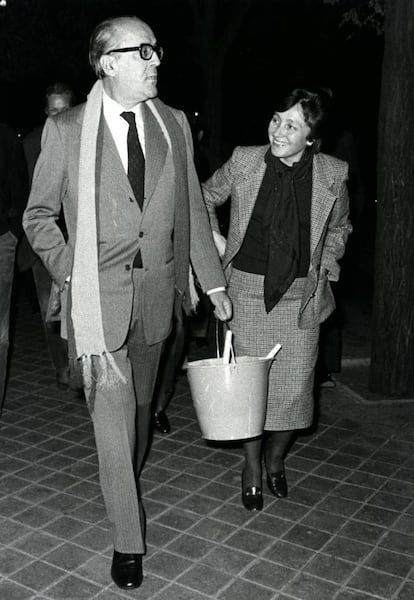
(288, 135)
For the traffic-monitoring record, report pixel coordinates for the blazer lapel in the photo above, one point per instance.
(249, 179)
(156, 148)
(322, 198)
(248, 190)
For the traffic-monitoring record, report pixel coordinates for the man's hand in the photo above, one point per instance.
(222, 303)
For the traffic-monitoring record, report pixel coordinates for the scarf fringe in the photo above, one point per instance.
(109, 374)
(194, 297)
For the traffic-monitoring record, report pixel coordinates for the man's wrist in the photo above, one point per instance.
(217, 289)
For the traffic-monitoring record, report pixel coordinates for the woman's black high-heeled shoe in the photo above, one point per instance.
(277, 484)
(252, 498)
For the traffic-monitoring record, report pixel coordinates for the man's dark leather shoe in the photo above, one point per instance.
(161, 422)
(277, 484)
(126, 570)
(252, 498)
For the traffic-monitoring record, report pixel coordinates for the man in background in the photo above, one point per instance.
(13, 197)
(58, 98)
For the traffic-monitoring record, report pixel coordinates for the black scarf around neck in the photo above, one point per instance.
(283, 229)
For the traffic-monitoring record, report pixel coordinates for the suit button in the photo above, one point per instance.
(127, 267)
(131, 200)
(141, 234)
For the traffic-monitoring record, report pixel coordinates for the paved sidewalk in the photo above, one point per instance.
(346, 532)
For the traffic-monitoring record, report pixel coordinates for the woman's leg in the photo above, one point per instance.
(251, 480)
(276, 447)
(252, 471)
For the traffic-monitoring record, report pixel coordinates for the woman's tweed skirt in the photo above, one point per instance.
(290, 399)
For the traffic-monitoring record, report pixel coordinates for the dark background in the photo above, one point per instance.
(280, 41)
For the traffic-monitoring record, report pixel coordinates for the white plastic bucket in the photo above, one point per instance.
(230, 399)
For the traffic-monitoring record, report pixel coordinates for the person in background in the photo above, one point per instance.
(58, 98)
(13, 197)
(288, 228)
(121, 166)
(171, 361)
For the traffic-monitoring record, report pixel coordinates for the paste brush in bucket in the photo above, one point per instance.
(230, 393)
(273, 351)
(228, 347)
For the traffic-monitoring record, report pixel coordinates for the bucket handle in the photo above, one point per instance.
(229, 342)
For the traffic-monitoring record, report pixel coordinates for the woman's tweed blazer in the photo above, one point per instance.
(240, 178)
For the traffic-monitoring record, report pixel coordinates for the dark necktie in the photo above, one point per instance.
(136, 160)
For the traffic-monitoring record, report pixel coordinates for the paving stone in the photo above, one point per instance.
(346, 531)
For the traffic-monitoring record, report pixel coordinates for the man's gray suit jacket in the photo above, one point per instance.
(172, 227)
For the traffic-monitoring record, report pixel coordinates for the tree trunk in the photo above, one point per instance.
(392, 357)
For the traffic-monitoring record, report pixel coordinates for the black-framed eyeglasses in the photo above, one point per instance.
(145, 51)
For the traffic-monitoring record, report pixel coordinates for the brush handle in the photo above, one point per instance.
(274, 351)
(227, 347)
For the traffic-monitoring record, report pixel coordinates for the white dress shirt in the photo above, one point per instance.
(119, 127)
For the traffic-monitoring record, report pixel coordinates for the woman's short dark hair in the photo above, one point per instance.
(315, 105)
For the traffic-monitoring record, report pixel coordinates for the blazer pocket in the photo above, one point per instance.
(324, 298)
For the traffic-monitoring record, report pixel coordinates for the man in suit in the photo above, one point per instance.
(13, 195)
(58, 97)
(123, 170)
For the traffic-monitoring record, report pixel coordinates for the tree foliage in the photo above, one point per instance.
(368, 14)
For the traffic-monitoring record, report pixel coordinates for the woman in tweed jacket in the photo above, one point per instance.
(289, 223)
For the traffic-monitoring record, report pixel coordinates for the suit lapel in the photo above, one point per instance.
(156, 148)
(322, 198)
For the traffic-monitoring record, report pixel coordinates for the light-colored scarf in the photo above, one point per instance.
(86, 312)
(86, 306)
